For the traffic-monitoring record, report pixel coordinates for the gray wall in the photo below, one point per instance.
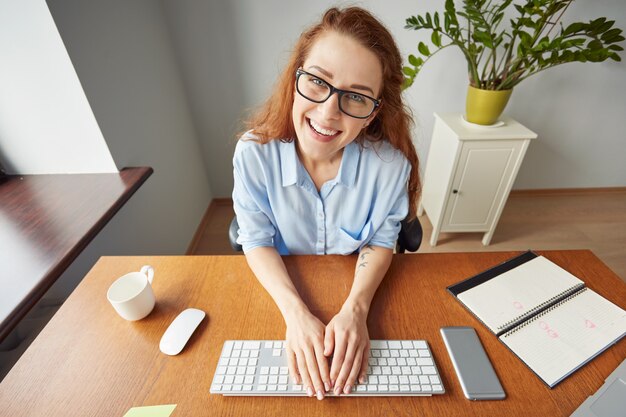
(125, 61)
(236, 49)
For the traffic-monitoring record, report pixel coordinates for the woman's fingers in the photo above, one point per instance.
(304, 373)
(335, 368)
(357, 364)
(329, 339)
(346, 367)
(314, 372)
(322, 364)
(293, 366)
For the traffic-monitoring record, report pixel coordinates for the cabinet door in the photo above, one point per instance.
(482, 180)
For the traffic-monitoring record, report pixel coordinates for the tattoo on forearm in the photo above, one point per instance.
(363, 256)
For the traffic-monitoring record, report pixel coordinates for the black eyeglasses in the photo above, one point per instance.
(317, 90)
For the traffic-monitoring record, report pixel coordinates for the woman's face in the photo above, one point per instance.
(322, 130)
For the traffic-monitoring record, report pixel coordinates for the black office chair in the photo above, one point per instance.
(410, 237)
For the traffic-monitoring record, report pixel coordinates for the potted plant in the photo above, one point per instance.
(499, 59)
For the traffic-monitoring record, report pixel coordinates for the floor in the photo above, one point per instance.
(578, 219)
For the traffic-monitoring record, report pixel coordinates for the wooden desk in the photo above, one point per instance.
(90, 362)
(45, 223)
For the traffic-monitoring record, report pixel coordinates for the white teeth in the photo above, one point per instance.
(321, 130)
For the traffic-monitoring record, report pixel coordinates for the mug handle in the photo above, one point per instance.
(148, 271)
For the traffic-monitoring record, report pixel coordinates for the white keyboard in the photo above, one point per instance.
(259, 367)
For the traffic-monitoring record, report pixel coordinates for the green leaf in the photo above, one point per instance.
(437, 20)
(423, 49)
(409, 71)
(574, 28)
(594, 45)
(616, 57)
(415, 61)
(616, 48)
(436, 39)
(609, 35)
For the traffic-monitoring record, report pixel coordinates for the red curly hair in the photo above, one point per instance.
(392, 123)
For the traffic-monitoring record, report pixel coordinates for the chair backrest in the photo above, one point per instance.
(409, 238)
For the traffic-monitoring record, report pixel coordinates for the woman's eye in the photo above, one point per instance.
(317, 82)
(356, 98)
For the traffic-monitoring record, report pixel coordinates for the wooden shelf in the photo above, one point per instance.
(45, 223)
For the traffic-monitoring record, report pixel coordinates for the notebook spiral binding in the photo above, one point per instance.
(566, 294)
(546, 311)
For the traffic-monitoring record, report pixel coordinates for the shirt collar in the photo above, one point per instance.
(347, 170)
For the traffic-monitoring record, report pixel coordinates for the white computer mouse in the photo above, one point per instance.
(178, 333)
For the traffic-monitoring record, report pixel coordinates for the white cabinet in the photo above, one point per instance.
(469, 173)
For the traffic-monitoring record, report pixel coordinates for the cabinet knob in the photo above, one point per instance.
(455, 191)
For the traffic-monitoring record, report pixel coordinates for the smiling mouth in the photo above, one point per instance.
(320, 132)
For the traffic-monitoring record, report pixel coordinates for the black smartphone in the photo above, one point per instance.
(476, 374)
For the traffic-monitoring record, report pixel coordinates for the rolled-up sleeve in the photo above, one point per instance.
(250, 201)
(396, 209)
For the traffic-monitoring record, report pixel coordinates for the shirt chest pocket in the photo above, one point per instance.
(349, 242)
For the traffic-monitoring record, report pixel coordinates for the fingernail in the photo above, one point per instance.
(320, 395)
(347, 389)
(326, 386)
(309, 391)
(362, 380)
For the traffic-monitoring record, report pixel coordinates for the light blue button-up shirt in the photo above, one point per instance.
(277, 204)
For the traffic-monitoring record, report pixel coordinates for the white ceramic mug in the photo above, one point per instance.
(131, 295)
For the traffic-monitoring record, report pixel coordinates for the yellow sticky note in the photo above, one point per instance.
(151, 411)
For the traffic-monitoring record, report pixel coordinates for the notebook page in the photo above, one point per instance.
(558, 342)
(516, 292)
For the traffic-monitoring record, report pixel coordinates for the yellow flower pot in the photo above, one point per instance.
(483, 107)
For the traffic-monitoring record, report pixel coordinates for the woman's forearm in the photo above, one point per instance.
(371, 267)
(270, 270)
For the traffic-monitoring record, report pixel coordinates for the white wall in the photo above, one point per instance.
(122, 54)
(46, 124)
(577, 109)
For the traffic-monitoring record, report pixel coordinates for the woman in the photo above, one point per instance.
(328, 167)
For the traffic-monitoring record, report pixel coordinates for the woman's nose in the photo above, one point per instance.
(330, 108)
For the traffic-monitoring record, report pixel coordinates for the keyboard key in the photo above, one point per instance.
(263, 379)
(274, 370)
(245, 353)
(236, 353)
(238, 379)
(404, 353)
(424, 380)
(284, 370)
(243, 361)
(423, 353)
(221, 370)
(413, 353)
(419, 344)
(278, 345)
(268, 345)
(252, 361)
(434, 379)
(233, 361)
(228, 347)
(383, 388)
(392, 361)
(378, 344)
(276, 352)
(375, 353)
(247, 387)
(437, 388)
(296, 387)
(249, 379)
(424, 361)
(231, 370)
(394, 344)
(407, 344)
(238, 344)
(404, 388)
(251, 345)
(265, 370)
(429, 370)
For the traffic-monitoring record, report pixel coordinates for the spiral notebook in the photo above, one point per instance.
(544, 314)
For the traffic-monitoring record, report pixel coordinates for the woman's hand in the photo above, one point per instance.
(305, 352)
(347, 339)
